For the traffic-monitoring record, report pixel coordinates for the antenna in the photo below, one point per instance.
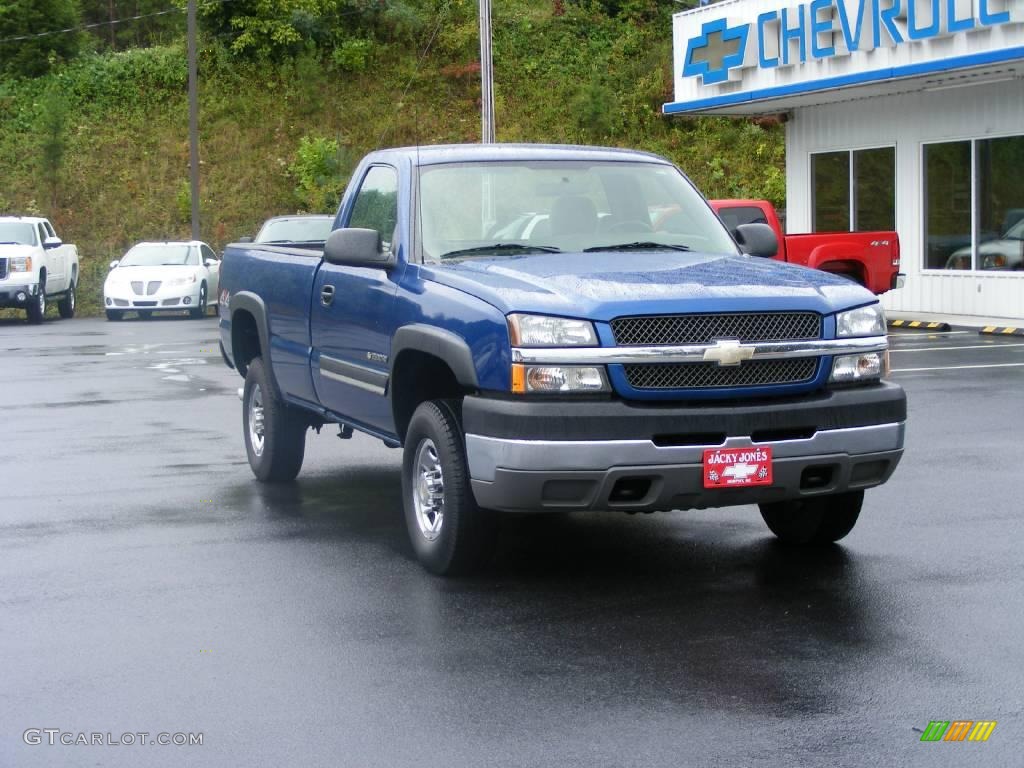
(414, 75)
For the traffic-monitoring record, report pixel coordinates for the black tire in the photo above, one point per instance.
(114, 314)
(283, 430)
(199, 310)
(449, 533)
(36, 309)
(145, 314)
(815, 521)
(66, 306)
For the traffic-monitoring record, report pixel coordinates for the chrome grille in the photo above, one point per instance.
(705, 328)
(137, 287)
(3, 269)
(153, 287)
(711, 375)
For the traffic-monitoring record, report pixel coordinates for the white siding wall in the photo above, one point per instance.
(908, 121)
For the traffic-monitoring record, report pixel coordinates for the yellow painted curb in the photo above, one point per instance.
(1002, 330)
(919, 325)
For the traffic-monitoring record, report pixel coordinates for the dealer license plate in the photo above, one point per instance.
(737, 467)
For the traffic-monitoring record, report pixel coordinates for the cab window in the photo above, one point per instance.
(376, 205)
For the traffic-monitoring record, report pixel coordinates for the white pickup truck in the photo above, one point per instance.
(35, 265)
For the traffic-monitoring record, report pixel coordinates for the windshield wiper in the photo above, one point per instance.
(10, 242)
(640, 245)
(521, 247)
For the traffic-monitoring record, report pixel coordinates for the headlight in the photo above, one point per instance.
(178, 281)
(864, 321)
(868, 366)
(557, 378)
(541, 331)
(21, 264)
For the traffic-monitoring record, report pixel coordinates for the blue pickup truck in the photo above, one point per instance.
(549, 328)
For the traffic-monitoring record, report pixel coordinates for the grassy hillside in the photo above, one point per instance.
(101, 145)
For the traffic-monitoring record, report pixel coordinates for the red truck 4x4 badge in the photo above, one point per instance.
(737, 467)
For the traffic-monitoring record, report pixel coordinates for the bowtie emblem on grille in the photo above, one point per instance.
(728, 352)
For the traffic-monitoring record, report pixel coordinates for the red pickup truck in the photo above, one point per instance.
(869, 258)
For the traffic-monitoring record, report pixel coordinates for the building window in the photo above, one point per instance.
(1000, 238)
(974, 205)
(854, 191)
(831, 191)
(947, 195)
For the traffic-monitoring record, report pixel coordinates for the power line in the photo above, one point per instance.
(416, 71)
(97, 24)
(83, 27)
(126, 19)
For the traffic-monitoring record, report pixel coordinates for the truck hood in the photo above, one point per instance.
(10, 251)
(602, 286)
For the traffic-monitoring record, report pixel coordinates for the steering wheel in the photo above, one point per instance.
(664, 219)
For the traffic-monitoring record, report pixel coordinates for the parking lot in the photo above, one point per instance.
(149, 584)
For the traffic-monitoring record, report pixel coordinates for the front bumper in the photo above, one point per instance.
(559, 455)
(165, 298)
(14, 295)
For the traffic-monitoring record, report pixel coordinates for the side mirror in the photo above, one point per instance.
(211, 263)
(52, 242)
(114, 263)
(356, 248)
(757, 240)
(244, 239)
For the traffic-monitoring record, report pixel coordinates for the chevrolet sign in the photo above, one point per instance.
(728, 352)
(725, 51)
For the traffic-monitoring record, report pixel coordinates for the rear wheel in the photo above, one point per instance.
(36, 308)
(114, 314)
(814, 521)
(66, 306)
(449, 533)
(275, 435)
(199, 310)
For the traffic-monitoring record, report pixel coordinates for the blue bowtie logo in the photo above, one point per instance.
(717, 49)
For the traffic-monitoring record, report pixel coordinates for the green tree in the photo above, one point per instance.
(35, 55)
(320, 172)
(52, 130)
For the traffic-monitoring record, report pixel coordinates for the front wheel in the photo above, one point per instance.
(449, 533)
(114, 315)
(66, 306)
(275, 435)
(814, 521)
(199, 310)
(36, 309)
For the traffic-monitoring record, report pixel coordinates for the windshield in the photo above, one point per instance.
(17, 232)
(299, 230)
(155, 255)
(1016, 232)
(484, 209)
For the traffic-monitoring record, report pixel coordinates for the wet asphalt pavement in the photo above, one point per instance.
(149, 584)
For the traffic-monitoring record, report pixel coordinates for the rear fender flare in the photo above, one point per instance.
(254, 305)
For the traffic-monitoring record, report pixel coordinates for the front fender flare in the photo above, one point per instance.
(442, 344)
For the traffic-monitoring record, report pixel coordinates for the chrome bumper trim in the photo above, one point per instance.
(696, 353)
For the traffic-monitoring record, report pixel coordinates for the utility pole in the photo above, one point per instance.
(486, 74)
(193, 118)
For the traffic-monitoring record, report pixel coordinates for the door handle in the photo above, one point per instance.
(327, 295)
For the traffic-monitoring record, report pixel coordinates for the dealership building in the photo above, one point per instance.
(903, 115)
